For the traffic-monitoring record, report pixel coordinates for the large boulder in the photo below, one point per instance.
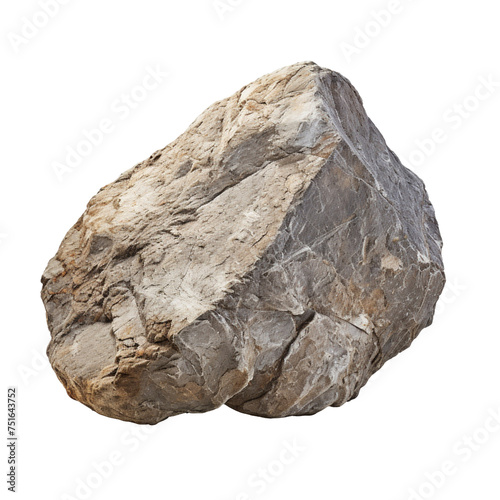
(272, 258)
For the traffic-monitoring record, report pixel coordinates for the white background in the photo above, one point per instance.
(415, 70)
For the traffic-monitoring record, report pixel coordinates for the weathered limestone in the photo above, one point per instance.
(272, 258)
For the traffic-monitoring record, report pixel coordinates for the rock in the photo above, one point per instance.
(272, 258)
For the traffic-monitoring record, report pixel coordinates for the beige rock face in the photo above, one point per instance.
(272, 258)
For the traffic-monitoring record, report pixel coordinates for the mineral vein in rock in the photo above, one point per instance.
(272, 258)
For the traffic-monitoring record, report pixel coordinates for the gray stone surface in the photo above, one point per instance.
(272, 258)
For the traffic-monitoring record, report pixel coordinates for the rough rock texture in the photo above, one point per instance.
(272, 258)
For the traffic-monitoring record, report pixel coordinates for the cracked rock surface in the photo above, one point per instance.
(272, 258)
